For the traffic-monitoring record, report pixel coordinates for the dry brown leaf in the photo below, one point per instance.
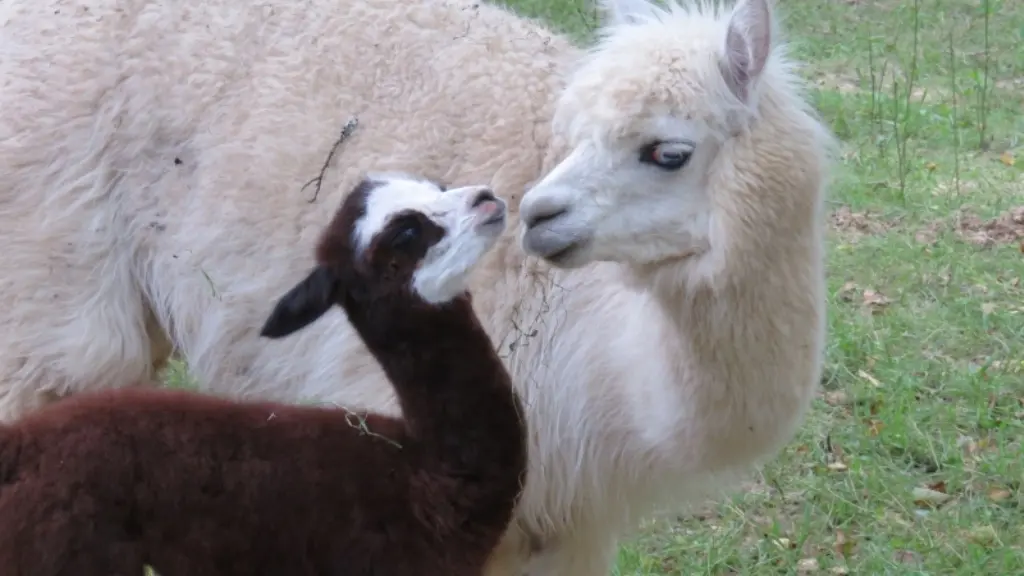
(998, 494)
(844, 544)
(926, 237)
(968, 445)
(939, 486)
(846, 292)
(875, 426)
(875, 300)
(931, 166)
(785, 543)
(836, 398)
(807, 566)
(871, 379)
(906, 557)
(983, 535)
(1007, 158)
(925, 497)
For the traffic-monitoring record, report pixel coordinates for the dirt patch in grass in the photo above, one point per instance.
(855, 225)
(1006, 228)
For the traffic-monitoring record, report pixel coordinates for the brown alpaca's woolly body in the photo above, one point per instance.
(192, 485)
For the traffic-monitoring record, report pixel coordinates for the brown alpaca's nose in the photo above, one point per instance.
(482, 196)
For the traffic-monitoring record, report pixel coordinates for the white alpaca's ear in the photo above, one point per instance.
(747, 46)
(618, 12)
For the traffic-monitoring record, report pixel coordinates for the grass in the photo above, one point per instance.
(910, 461)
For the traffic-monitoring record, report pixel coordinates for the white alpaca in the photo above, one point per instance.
(150, 166)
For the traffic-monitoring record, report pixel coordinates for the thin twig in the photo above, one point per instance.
(956, 123)
(358, 421)
(346, 131)
(982, 109)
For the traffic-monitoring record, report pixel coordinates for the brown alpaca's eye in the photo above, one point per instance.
(670, 156)
(406, 235)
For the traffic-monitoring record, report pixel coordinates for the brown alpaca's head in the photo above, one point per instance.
(394, 235)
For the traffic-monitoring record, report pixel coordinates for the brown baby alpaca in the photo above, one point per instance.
(104, 483)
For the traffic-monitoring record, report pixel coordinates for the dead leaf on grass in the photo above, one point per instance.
(871, 379)
(785, 543)
(906, 557)
(930, 496)
(968, 445)
(834, 456)
(874, 426)
(846, 292)
(836, 398)
(843, 544)
(839, 570)
(1007, 158)
(837, 466)
(983, 535)
(973, 449)
(875, 301)
(806, 566)
(927, 236)
(999, 494)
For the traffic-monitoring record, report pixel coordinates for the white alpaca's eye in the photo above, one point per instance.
(669, 156)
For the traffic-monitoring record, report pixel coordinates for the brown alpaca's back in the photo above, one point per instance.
(192, 485)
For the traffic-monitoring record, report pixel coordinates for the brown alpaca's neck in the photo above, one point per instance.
(455, 393)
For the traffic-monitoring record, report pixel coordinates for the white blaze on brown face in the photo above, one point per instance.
(452, 229)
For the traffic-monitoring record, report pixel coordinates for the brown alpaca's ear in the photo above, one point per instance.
(303, 304)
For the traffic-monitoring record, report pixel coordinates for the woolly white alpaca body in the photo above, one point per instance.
(150, 170)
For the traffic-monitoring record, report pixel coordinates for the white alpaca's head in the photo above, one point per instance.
(648, 114)
(394, 234)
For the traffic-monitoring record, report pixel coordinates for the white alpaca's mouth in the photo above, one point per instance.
(562, 255)
(571, 255)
